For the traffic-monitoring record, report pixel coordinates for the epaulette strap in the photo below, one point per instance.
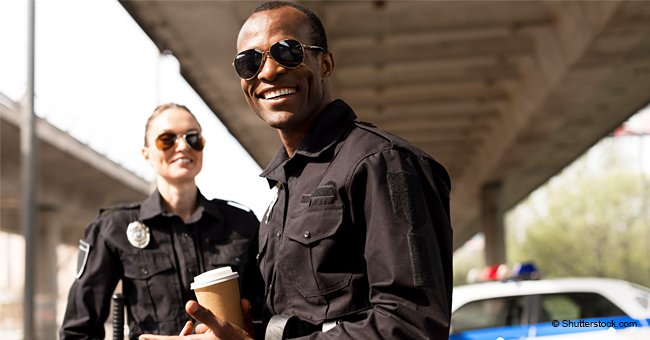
(396, 141)
(365, 123)
(239, 206)
(123, 206)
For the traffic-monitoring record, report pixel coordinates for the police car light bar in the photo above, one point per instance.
(500, 272)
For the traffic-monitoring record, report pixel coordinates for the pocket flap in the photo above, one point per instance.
(143, 266)
(316, 223)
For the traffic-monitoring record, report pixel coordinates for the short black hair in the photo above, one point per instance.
(318, 36)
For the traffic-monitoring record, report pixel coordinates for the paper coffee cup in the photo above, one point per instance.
(218, 291)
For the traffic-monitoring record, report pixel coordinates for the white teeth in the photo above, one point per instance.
(278, 93)
(184, 160)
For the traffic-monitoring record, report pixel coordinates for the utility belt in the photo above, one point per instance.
(289, 326)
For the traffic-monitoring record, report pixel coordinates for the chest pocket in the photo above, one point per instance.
(151, 287)
(234, 253)
(317, 263)
(144, 266)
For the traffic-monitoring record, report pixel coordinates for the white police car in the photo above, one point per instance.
(568, 308)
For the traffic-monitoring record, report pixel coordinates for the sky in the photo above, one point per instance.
(98, 77)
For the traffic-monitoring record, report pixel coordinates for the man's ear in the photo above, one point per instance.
(327, 64)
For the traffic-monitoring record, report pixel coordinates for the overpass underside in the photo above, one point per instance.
(504, 94)
(73, 182)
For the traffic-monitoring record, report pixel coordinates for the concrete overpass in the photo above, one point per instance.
(74, 181)
(504, 94)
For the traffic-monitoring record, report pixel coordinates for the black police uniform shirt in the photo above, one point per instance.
(156, 277)
(359, 234)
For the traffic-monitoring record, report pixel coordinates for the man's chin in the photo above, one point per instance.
(277, 120)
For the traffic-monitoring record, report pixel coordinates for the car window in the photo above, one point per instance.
(489, 313)
(571, 306)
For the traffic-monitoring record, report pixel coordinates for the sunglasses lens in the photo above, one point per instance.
(288, 53)
(195, 141)
(165, 141)
(247, 63)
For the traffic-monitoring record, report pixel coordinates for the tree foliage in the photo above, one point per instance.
(589, 225)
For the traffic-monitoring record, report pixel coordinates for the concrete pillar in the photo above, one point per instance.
(48, 237)
(492, 224)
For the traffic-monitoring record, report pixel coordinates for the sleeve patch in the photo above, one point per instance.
(420, 261)
(82, 258)
(406, 197)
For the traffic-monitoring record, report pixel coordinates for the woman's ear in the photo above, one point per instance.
(145, 153)
(327, 64)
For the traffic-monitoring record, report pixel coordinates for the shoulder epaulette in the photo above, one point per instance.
(396, 141)
(122, 206)
(239, 206)
(377, 131)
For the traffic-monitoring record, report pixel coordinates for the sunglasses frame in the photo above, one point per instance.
(268, 53)
(163, 146)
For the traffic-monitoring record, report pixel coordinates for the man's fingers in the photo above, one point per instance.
(171, 337)
(245, 305)
(248, 320)
(220, 328)
(187, 329)
(201, 328)
(203, 315)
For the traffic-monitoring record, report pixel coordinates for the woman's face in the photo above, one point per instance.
(180, 163)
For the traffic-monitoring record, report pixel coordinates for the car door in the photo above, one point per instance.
(566, 313)
(501, 317)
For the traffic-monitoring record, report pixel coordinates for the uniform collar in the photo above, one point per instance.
(152, 206)
(328, 128)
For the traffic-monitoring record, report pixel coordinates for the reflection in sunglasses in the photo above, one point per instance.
(289, 53)
(168, 140)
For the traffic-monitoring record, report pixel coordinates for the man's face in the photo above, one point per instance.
(286, 99)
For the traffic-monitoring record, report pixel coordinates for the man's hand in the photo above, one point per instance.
(212, 328)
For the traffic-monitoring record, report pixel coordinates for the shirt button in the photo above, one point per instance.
(307, 234)
(144, 271)
(237, 260)
(278, 234)
(257, 257)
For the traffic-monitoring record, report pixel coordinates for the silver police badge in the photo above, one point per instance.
(138, 234)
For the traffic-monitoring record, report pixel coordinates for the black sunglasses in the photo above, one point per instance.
(289, 53)
(168, 140)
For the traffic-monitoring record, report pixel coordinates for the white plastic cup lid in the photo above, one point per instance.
(213, 276)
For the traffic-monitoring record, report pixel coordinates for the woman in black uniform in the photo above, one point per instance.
(157, 246)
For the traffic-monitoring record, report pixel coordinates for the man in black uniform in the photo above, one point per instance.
(357, 243)
(156, 247)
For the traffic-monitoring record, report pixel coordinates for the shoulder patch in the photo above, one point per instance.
(239, 206)
(82, 258)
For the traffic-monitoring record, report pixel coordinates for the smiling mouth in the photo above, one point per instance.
(184, 160)
(278, 93)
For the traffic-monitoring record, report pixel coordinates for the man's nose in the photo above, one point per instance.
(270, 68)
